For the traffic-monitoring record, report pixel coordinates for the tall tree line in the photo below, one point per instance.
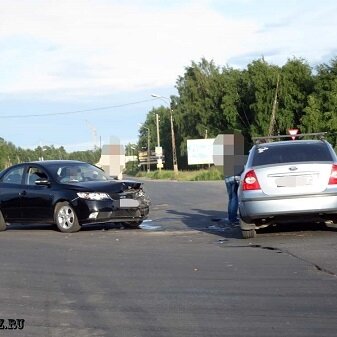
(262, 98)
(11, 154)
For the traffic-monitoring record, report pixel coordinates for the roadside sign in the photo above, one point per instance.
(159, 151)
(160, 164)
(200, 151)
(293, 133)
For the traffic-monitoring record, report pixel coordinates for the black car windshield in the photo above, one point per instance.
(290, 153)
(77, 172)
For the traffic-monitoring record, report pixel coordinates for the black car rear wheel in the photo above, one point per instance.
(65, 218)
(132, 224)
(2, 223)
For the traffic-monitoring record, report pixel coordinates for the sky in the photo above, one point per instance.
(79, 73)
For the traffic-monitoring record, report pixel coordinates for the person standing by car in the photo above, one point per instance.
(229, 156)
(232, 185)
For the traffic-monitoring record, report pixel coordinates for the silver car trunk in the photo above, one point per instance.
(294, 178)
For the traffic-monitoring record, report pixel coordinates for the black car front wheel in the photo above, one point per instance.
(65, 218)
(2, 223)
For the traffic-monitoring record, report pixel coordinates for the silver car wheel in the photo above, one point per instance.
(65, 217)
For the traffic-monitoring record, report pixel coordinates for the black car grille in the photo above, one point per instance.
(127, 213)
(131, 212)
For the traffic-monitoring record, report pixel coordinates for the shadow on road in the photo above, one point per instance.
(85, 228)
(208, 221)
(215, 222)
(296, 227)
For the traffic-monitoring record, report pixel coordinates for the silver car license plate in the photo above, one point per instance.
(128, 203)
(294, 181)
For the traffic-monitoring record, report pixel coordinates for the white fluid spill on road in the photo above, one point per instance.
(220, 228)
(216, 228)
(147, 226)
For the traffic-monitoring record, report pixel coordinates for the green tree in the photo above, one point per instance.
(198, 108)
(312, 119)
(326, 98)
(296, 84)
(261, 82)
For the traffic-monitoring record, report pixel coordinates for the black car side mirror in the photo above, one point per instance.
(42, 182)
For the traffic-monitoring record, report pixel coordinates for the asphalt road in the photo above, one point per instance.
(185, 273)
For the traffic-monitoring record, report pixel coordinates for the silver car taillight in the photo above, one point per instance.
(333, 175)
(250, 182)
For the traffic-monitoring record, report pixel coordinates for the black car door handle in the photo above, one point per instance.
(22, 194)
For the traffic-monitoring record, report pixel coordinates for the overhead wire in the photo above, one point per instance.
(76, 111)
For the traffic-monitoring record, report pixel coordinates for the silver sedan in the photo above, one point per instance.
(288, 181)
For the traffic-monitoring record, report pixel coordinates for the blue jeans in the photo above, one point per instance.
(233, 202)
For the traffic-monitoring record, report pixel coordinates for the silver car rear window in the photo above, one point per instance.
(274, 154)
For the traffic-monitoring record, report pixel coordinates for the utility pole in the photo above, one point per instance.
(133, 149)
(148, 146)
(174, 152)
(273, 113)
(148, 150)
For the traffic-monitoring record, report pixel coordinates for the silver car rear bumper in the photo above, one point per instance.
(260, 208)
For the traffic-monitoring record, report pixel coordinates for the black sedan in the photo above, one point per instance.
(69, 194)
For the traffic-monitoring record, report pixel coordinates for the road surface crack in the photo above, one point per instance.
(278, 250)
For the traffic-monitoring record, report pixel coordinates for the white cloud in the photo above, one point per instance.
(109, 47)
(93, 47)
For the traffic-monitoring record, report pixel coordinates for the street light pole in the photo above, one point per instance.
(174, 152)
(157, 124)
(159, 155)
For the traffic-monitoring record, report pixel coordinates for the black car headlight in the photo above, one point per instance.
(94, 195)
(143, 196)
(140, 194)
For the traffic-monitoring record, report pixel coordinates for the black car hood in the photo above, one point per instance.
(109, 186)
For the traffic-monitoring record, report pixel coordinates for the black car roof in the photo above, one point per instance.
(53, 162)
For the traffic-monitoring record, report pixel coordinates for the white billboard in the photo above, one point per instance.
(200, 151)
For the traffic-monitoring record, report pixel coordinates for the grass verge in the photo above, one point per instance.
(200, 175)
